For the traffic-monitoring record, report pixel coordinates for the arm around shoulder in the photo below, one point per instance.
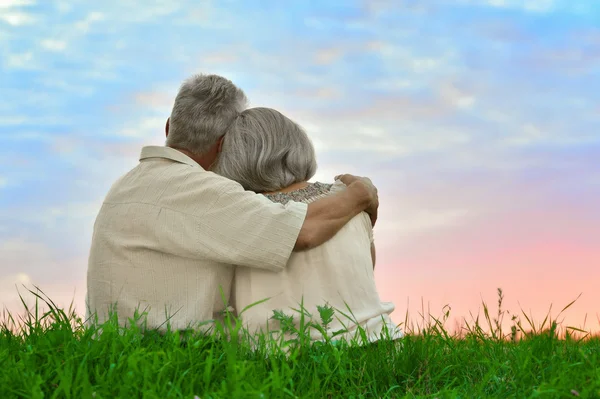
(326, 216)
(219, 221)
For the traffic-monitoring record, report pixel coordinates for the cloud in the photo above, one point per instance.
(63, 6)
(574, 59)
(16, 288)
(328, 56)
(9, 284)
(534, 6)
(449, 93)
(19, 278)
(130, 11)
(16, 18)
(145, 128)
(158, 101)
(7, 4)
(382, 7)
(37, 261)
(22, 250)
(21, 61)
(53, 44)
(414, 221)
(84, 25)
(12, 14)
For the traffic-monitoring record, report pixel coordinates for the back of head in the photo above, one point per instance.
(204, 108)
(265, 151)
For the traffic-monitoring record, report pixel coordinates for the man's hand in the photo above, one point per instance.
(326, 216)
(365, 184)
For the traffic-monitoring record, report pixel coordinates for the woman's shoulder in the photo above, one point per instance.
(324, 188)
(310, 193)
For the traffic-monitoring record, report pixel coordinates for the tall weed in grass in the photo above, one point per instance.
(54, 354)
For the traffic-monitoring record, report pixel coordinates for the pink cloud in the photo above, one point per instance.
(59, 276)
(538, 257)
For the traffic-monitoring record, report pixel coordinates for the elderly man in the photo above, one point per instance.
(169, 229)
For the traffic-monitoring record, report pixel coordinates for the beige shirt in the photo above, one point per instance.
(167, 235)
(338, 272)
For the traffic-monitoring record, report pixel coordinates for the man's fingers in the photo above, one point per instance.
(345, 178)
(348, 178)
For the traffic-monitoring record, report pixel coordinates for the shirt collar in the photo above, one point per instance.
(166, 153)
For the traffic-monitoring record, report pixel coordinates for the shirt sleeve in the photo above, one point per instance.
(215, 219)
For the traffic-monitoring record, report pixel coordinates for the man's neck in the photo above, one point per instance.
(196, 158)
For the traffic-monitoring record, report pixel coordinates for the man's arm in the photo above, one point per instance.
(215, 219)
(325, 217)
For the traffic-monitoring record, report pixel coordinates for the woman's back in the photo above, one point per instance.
(338, 273)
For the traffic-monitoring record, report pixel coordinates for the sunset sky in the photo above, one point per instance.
(478, 120)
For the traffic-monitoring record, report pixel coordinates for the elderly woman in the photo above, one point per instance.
(268, 153)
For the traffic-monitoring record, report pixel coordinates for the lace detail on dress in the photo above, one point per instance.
(308, 194)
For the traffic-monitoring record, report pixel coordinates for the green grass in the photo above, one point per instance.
(53, 355)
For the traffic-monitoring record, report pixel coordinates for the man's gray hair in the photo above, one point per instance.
(204, 108)
(265, 151)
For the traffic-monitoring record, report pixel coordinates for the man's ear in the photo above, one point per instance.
(220, 144)
(167, 128)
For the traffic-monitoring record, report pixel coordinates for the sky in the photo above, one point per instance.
(476, 119)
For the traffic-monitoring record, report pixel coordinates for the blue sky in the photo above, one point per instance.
(467, 114)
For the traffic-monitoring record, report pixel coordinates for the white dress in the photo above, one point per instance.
(338, 273)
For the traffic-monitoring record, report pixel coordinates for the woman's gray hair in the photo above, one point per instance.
(204, 108)
(265, 151)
